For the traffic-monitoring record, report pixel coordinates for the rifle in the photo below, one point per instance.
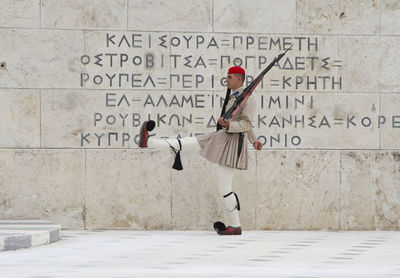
(240, 100)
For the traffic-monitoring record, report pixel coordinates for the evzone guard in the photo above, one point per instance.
(227, 147)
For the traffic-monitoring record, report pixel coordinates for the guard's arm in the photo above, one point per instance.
(251, 136)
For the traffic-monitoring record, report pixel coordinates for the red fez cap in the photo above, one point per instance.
(236, 70)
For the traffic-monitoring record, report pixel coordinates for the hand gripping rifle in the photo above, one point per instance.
(241, 99)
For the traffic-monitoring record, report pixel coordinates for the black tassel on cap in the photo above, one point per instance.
(177, 163)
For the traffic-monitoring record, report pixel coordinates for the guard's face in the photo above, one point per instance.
(233, 81)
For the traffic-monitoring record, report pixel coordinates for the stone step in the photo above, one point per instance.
(16, 234)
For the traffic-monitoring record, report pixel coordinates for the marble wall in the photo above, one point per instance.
(78, 77)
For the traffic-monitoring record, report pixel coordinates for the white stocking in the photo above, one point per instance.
(225, 176)
(189, 144)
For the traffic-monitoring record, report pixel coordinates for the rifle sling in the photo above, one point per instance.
(226, 100)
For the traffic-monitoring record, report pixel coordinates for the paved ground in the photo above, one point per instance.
(15, 234)
(127, 254)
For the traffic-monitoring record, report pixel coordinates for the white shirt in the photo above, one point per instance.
(236, 93)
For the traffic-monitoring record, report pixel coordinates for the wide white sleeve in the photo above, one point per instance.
(246, 119)
(251, 136)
